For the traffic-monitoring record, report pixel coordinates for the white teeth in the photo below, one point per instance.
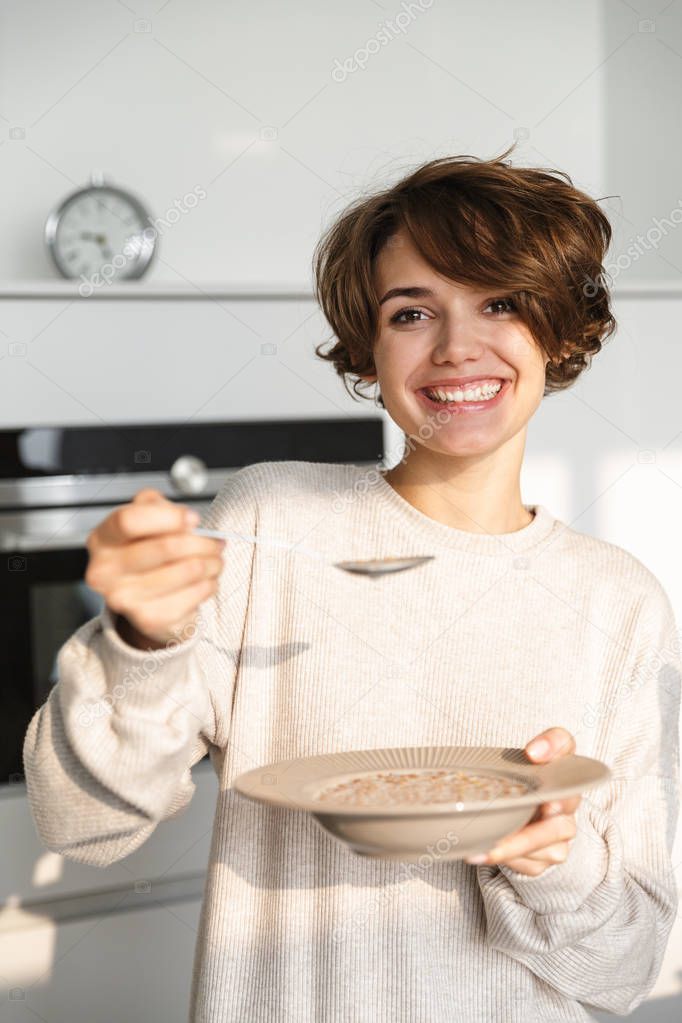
(483, 393)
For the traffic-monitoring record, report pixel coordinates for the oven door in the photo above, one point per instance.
(43, 601)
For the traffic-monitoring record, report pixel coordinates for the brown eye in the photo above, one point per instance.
(499, 301)
(404, 312)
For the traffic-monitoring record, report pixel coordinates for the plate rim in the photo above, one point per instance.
(274, 795)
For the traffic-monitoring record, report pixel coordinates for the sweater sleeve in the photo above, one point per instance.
(596, 926)
(110, 752)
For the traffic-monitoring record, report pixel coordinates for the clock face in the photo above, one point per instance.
(100, 230)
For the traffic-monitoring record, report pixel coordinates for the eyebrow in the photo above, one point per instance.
(408, 292)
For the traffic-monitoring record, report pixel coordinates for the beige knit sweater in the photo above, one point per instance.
(498, 638)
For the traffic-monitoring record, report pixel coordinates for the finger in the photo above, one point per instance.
(556, 853)
(550, 744)
(541, 859)
(556, 806)
(147, 518)
(549, 809)
(145, 555)
(544, 811)
(570, 805)
(120, 565)
(148, 495)
(533, 837)
(168, 579)
(174, 608)
(531, 868)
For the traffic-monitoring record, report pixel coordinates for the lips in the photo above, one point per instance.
(461, 382)
(467, 407)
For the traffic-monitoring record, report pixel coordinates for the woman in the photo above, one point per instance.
(519, 628)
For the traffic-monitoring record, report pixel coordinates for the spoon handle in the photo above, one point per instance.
(223, 534)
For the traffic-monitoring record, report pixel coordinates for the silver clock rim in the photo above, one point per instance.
(148, 248)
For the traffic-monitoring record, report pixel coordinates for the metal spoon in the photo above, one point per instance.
(370, 566)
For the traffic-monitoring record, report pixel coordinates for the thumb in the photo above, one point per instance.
(148, 496)
(550, 744)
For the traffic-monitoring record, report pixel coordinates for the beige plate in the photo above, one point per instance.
(446, 831)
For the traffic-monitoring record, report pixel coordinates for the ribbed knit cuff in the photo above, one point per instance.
(139, 679)
(565, 886)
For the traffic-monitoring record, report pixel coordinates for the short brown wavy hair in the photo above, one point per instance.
(520, 230)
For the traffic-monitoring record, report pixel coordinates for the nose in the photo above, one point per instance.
(456, 341)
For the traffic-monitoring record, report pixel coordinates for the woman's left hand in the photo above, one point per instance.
(545, 840)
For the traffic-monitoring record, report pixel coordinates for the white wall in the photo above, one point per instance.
(190, 103)
(641, 83)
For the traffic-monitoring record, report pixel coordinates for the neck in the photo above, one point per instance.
(477, 494)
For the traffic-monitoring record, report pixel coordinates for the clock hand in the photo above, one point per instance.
(89, 236)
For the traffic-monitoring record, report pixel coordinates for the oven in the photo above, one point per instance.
(58, 483)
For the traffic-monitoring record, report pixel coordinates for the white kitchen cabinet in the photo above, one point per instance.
(30, 875)
(238, 359)
(126, 966)
(80, 944)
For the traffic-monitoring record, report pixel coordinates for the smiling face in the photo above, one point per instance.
(445, 332)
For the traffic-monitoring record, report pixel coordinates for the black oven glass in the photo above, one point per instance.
(57, 610)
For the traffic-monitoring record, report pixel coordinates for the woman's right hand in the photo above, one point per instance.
(151, 569)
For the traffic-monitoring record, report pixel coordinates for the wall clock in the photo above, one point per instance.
(101, 229)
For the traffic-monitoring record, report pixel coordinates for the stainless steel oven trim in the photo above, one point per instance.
(44, 529)
(105, 488)
(117, 487)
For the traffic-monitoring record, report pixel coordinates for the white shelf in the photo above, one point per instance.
(644, 290)
(36, 289)
(57, 288)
